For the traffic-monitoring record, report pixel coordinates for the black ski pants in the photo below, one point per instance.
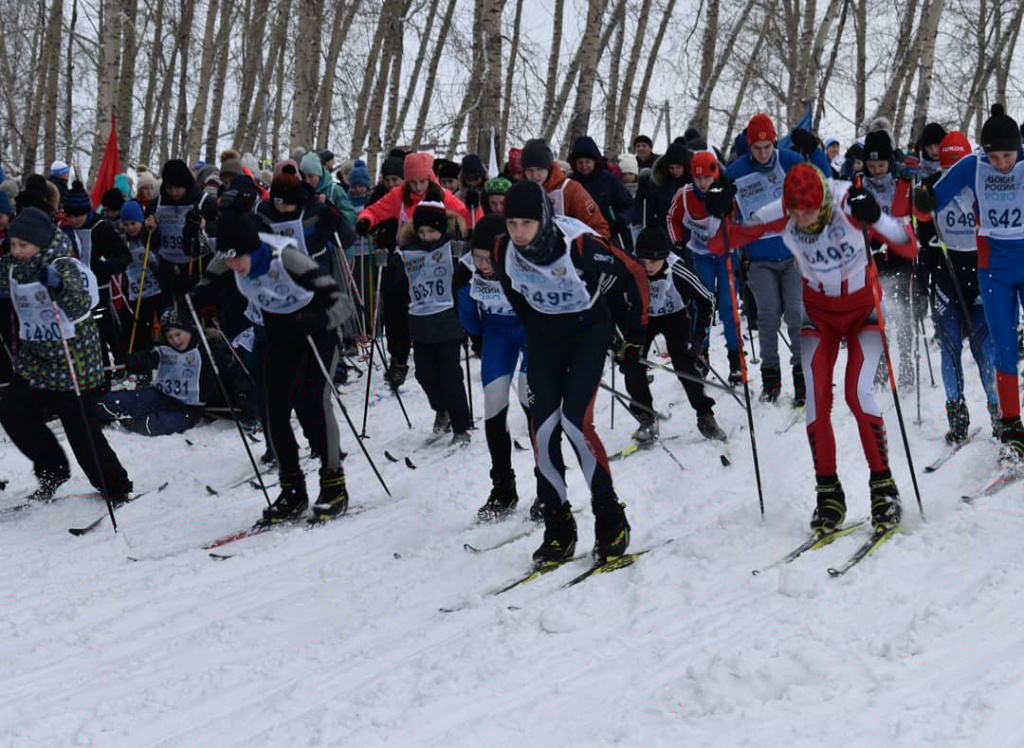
(439, 372)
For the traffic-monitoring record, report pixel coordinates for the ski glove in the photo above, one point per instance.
(719, 197)
(910, 169)
(49, 277)
(863, 205)
(804, 141)
(924, 200)
(363, 227)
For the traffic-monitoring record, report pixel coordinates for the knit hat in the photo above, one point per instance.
(76, 202)
(472, 166)
(418, 166)
(35, 195)
(175, 174)
(704, 164)
(536, 154)
(628, 164)
(310, 164)
(497, 186)
(237, 233)
(145, 179)
(208, 173)
(112, 199)
(691, 134)
(487, 230)
(933, 134)
(953, 148)
(515, 161)
(831, 142)
(393, 166)
(1000, 132)
(525, 200)
(432, 214)
(132, 211)
(33, 226)
(326, 156)
(653, 243)
(171, 320)
(59, 169)
(287, 188)
(445, 169)
(878, 146)
(761, 128)
(676, 155)
(359, 176)
(5, 204)
(643, 139)
(804, 188)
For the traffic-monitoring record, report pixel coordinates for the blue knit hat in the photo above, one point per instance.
(131, 211)
(359, 176)
(5, 204)
(76, 202)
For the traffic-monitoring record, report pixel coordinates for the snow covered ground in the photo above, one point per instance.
(333, 637)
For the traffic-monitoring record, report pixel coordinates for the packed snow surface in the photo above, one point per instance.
(334, 636)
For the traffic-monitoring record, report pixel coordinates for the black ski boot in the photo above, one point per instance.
(885, 501)
(648, 431)
(799, 387)
(997, 421)
(559, 537)
(1012, 438)
(771, 385)
(536, 511)
(49, 482)
(709, 428)
(395, 375)
(442, 422)
(502, 501)
(831, 509)
(333, 498)
(959, 421)
(291, 502)
(735, 375)
(611, 529)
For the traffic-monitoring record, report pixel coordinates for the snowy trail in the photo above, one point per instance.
(334, 636)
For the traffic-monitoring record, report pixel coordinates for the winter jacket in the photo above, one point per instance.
(42, 364)
(661, 188)
(319, 224)
(607, 190)
(109, 255)
(575, 200)
(444, 325)
(392, 206)
(336, 196)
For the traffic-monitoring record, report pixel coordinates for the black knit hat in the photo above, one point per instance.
(288, 189)
(76, 202)
(643, 139)
(238, 232)
(113, 199)
(933, 134)
(431, 214)
(676, 155)
(525, 200)
(445, 169)
(487, 230)
(177, 174)
(171, 320)
(653, 243)
(33, 226)
(1000, 132)
(393, 166)
(878, 146)
(536, 154)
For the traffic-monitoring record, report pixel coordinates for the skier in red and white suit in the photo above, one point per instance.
(822, 224)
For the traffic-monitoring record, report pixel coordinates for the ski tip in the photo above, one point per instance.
(834, 572)
(409, 464)
(390, 457)
(3, 485)
(164, 485)
(470, 548)
(212, 491)
(755, 572)
(726, 462)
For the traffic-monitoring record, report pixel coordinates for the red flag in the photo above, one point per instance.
(109, 168)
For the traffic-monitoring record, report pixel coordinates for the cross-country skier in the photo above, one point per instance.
(822, 224)
(142, 275)
(556, 273)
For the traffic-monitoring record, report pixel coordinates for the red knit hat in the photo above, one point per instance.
(804, 188)
(704, 164)
(515, 161)
(952, 148)
(419, 166)
(760, 128)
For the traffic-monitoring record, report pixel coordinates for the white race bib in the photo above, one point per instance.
(178, 374)
(430, 280)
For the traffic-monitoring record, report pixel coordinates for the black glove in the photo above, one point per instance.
(804, 141)
(863, 205)
(719, 197)
(363, 226)
(472, 199)
(924, 200)
(476, 342)
(194, 218)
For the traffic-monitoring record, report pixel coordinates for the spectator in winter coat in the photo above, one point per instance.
(447, 174)
(630, 174)
(60, 173)
(643, 147)
(669, 175)
(590, 169)
(358, 185)
(327, 190)
(568, 197)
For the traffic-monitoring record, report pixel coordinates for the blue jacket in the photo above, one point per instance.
(772, 247)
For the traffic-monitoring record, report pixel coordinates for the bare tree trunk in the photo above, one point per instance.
(374, 71)
(342, 25)
(428, 88)
(905, 62)
(513, 53)
(551, 86)
(397, 56)
(148, 115)
(741, 92)
(194, 133)
(626, 93)
(188, 8)
(277, 65)
(163, 105)
(69, 139)
(126, 79)
(307, 75)
(590, 50)
(618, 21)
(652, 58)
(390, 21)
(219, 84)
(51, 71)
(860, 26)
(989, 55)
(258, 68)
(486, 111)
(702, 110)
(1003, 75)
(830, 67)
(707, 64)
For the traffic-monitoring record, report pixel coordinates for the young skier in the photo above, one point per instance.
(143, 275)
(822, 224)
(996, 180)
(555, 273)
(490, 320)
(494, 195)
(674, 290)
(54, 307)
(428, 266)
(297, 299)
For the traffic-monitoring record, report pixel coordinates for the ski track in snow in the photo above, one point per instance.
(334, 637)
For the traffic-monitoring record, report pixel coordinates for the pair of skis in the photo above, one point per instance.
(879, 537)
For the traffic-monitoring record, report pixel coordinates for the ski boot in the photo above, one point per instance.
(997, 421)
(502, 501)
(799, 387)
(333, 498)
(460, 439)
(395, 375)
(709, 428)
(831, 509)
(611, 530)
(441, 423)
(559, 537)
(959, 421)
(648, 431)
(290, 503)
(49, 482)
(537, 511)
(1012, 452)
(735, 375)
(771, 385)
(885, 501)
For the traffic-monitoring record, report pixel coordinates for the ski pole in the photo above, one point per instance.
(138, 302)
(743, 361)
(690, 377)
(85, 416)
(234, 353)
(614, 367)
(344, 411)
(927, 353)
(917, 368)
(469, 383)
(745, 286)
(366, 399)
(876, 292)
(627, 400)
(227, 397)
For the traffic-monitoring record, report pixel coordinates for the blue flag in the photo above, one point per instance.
(806, 122)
